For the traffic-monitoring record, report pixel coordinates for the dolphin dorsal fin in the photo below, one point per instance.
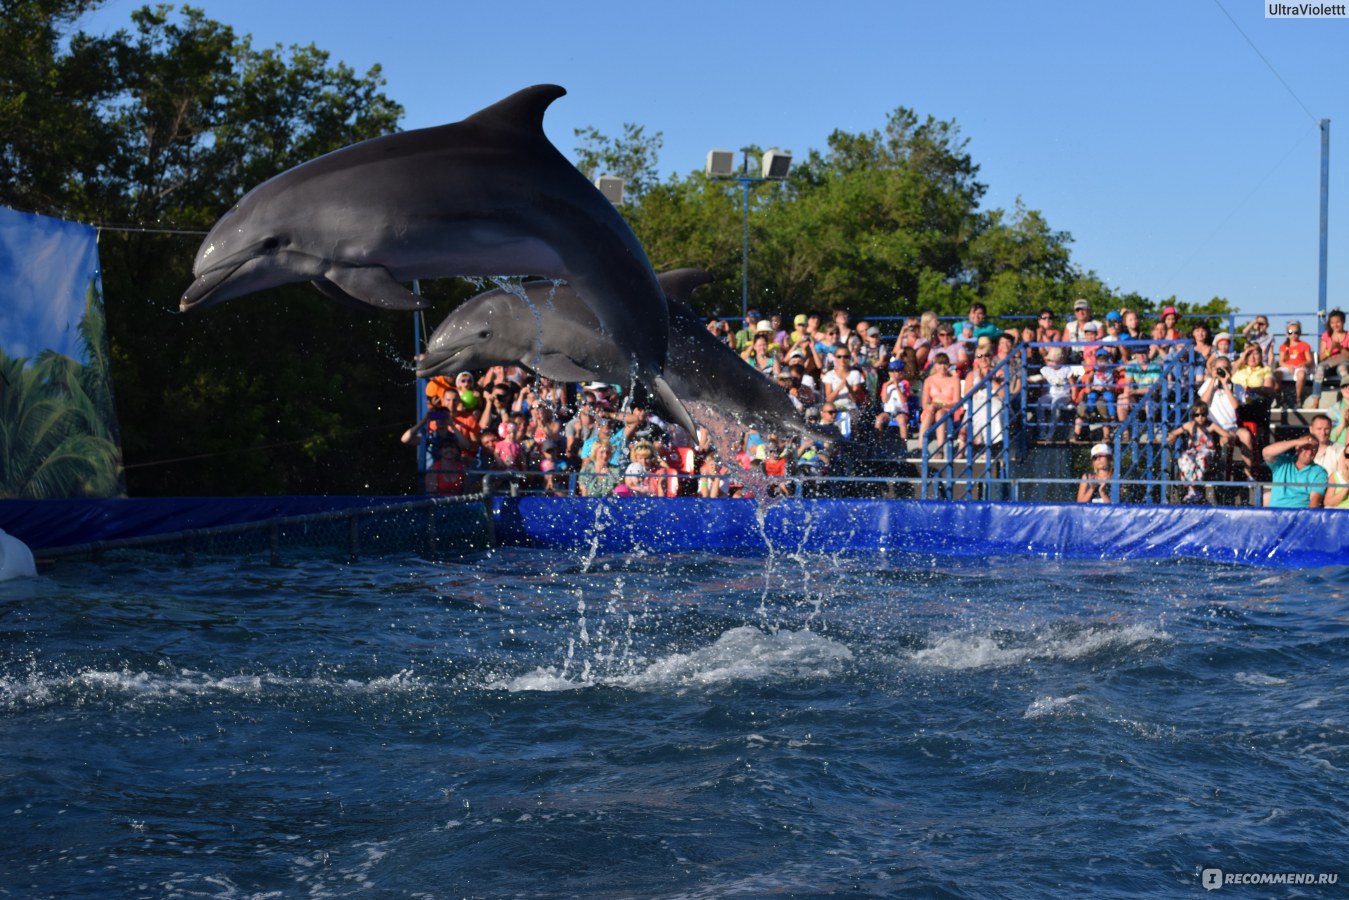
(523, 109)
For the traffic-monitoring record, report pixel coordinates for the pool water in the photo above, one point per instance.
(527, 723)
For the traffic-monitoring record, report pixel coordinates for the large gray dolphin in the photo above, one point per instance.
(486, 196)
(552, 331)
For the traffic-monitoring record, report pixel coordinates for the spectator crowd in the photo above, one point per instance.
(865, 393)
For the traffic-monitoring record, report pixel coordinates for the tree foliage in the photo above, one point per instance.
(883, 222)
(165, 123)
(631, 157)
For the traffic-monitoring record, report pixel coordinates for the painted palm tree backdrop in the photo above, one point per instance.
(58, 425)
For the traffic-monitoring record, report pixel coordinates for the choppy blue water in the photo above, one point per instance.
(524, 724)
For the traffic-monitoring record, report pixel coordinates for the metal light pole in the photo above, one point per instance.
(1325, 217)
(775, 165)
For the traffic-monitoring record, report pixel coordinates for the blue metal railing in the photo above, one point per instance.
(989, 425)
(980, 428)
(1154, 415)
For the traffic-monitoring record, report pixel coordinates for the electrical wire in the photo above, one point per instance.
(1267, 63)
(1236, 208)
(141, 229)
(178, 459)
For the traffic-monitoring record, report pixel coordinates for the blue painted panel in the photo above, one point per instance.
(1270, 537)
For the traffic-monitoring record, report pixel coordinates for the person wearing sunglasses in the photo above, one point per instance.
(1073, 331)
(1045, 332)
(1095, 486)
(957, 354)
(1196, 441)
(1295, 361)
(986, 391)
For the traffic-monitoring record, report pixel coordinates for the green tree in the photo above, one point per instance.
(632, 157)
(1019, 264)
(876, 222)
(52, 136)
(189, 116)
(693, 221)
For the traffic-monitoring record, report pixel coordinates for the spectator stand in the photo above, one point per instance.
(995, 449)
(992, 441)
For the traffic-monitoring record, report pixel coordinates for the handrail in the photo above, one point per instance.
(1015, 487)
(969, 404)
(1175, 398)
(1173, 393)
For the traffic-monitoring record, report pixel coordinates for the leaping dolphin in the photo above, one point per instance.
(489, 195)
(553, 332)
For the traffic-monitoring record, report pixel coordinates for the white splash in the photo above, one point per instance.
(1259, 679)
(981, 651)
(743, 654)
(1049, 706)
(37, 689)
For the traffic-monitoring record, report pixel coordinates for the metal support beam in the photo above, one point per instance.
(1325, 218)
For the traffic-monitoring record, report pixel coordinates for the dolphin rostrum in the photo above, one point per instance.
(549, 329)
(489, 195)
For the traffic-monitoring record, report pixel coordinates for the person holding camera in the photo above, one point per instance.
(496, 407)
(1218, 394)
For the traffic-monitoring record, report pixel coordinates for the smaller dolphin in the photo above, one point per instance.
(489, 195)
(552, 331)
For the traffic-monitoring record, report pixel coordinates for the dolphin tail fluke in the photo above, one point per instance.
(672, 405)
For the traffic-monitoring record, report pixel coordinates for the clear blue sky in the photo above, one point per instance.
(1149, 130)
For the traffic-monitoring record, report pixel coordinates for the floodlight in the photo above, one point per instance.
(611, 187)
(720, 163)
(776, 163)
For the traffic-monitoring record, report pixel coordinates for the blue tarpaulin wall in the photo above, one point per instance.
(1267, 537)
(49, 524)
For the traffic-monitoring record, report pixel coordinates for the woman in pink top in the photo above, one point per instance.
(1334, 351)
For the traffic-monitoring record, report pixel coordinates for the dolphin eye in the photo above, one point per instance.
(484, 334)
(271, 243)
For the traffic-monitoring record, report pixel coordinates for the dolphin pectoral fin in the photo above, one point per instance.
(337, 295)
(679, 284)
(374, 286)
(560, 367)
(671, 404)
